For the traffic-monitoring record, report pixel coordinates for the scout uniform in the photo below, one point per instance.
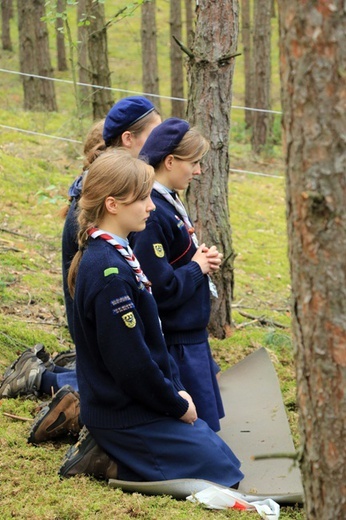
(182, 292)
(128, 381)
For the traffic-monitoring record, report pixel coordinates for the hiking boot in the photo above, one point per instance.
(66, 359)
(40, 351)
(87, 458)
(60, 417)
(23, 377)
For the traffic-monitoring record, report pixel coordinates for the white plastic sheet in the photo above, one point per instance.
(214, 497)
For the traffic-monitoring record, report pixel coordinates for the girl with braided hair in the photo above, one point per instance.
(127, 125)
(133, 403)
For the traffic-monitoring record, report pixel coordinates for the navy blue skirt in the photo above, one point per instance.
(197, 373)
(169, 449)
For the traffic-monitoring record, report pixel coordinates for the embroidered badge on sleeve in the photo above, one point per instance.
(122, 304)
(129, 320)
(111, 270)
(158, 250)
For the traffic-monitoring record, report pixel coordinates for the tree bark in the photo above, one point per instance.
(39, 94)
(177, 81)
(313, 63)
(261, 127)
(6, 9)
(98, 58)
(60, 37)
(248, 61)
(210, 68)
(150, 75)
(84, 92)
(189, 15)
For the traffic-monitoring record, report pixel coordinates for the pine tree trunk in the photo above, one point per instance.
(209, 105)
(60, 37)
(98, 57)
(261, 127)
(177, 82)
(313, 64)
(150, 75)
(248, 61)
(189, 15)
(39, 94)
(6, 8)
(83, 63)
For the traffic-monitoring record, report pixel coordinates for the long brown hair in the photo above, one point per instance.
(94, 140)
(192, 147)
(114, 174)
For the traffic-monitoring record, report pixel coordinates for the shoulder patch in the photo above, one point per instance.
(110, 270)
(158, 250)
(129, 320)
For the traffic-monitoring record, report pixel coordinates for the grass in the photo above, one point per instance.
(35, 173)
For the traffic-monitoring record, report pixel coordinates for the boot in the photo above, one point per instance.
(23, 377)
(60, 417)
(87, 458)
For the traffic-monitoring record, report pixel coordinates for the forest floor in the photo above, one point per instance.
(34, 177)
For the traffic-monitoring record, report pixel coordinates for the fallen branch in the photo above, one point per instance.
(293, 456)
(4, 230)
(3, 248)
(17, 417)
(245, 324)
(262, 320)
(48, 323)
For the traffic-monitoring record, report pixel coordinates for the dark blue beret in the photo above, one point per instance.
(124, 114)
(163, 139)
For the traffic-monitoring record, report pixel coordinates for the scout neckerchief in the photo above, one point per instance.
(179, 206)
(126, 253)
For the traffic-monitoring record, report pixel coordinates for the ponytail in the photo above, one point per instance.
(114, 174)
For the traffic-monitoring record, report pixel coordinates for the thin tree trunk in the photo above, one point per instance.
(262, 121)
(150, 75)
(177, 81)
(211, 67)
(313, 61)
(85, 92)
(6, 8)
(60, 37)
(189, 15)
(248, 61)
(39, 94)
(98, 57)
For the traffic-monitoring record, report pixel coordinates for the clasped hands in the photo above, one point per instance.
(208, 258)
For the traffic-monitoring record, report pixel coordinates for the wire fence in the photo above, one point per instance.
(127, 92)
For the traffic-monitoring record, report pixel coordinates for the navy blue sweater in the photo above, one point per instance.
(69, 249)
(125, 374)
(164, 250)
(69, 245)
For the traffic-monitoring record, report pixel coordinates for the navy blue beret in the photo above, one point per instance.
(124, 114)
(163, 139)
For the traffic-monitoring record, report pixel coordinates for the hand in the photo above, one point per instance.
(214, 257)
(201, 259)
(209, 259)
(190, 416)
